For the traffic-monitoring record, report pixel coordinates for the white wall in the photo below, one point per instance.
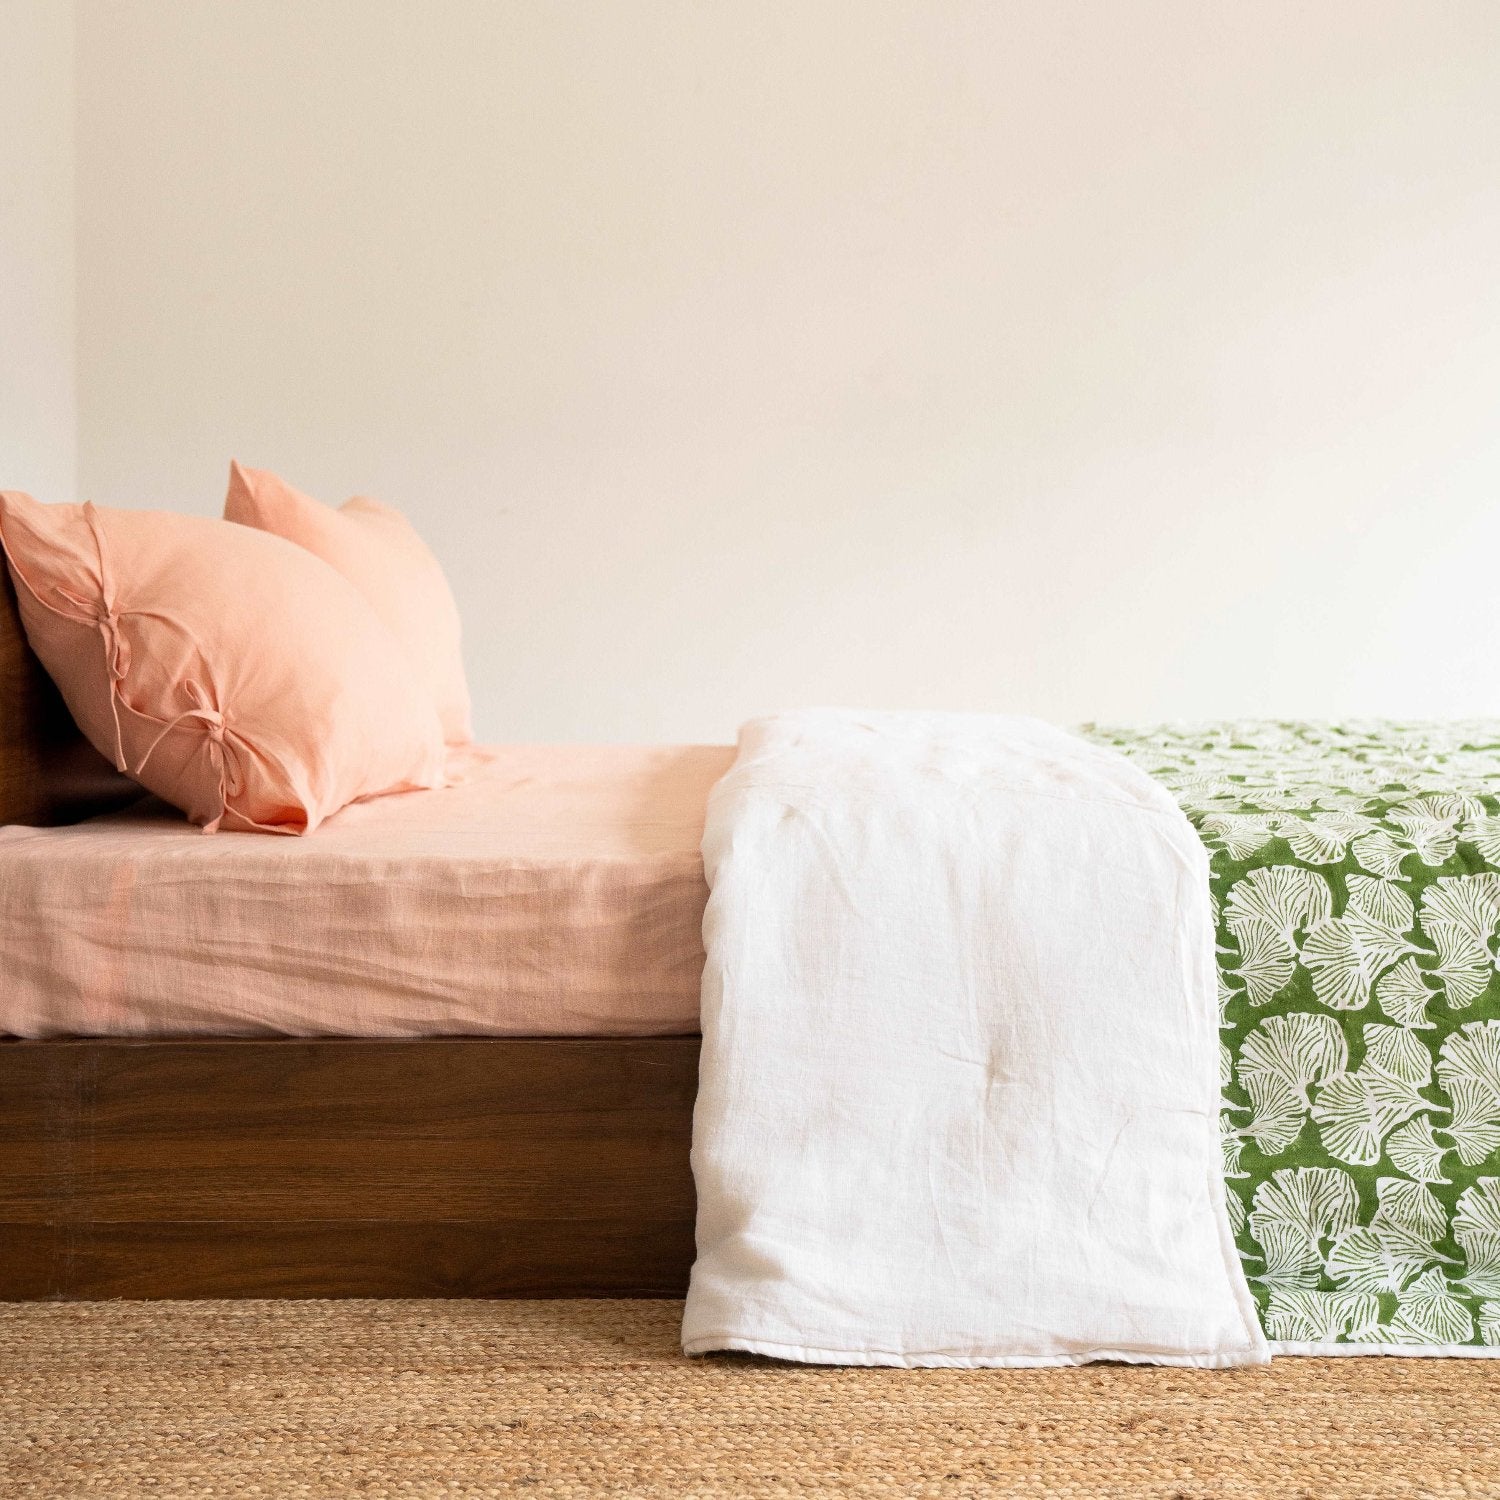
(1087, 359)
(38, 413)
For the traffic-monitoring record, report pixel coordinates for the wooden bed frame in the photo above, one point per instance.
(449, 1167)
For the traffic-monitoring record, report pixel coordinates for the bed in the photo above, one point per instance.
(448, 1045)
(175, 1163)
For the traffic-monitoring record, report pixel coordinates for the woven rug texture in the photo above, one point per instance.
(289, 1399)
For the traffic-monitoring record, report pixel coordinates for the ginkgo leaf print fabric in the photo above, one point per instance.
(1356, 879)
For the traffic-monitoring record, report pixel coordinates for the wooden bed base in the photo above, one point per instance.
(450, 1167)
(437, 1168)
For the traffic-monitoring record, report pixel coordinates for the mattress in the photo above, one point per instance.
(553, 891)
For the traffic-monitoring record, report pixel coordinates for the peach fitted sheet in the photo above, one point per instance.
(556, 891)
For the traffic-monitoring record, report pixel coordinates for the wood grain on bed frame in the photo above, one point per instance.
(336, 1168)
(470, 1167)
(48, 772)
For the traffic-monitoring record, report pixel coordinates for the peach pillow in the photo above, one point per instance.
(377, 549)
(231, 673)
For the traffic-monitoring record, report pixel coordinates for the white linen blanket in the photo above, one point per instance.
(959, 1100)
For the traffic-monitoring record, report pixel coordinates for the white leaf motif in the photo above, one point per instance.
(1293, 1214)
(1236, 1206)
(1469, 905)
(1380, 854)
(1364, 1260)
(1346, 954)
(1298, 1049)
(1323, 838)
(1428, 829)
(1450, 806)
(1231, 1144)
(1281, 896)
(1227, 994)
(1277, 1114)
(1427, 1312)
(1489, 1322)
(1410, 1210)
(1383, 901)
(1398, 1242)
(1301, 1315)
(1403, 995)
(1460, 914)
(1414, 1149)
(1265, 911)
(1484, 834)
(1278, 1061)
(1358, 1109)
(1468, 1070)
(1476, 1227)
(1396, 1051)
(1239, 834)
(1267, 961)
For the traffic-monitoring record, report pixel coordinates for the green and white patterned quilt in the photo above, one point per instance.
(1356, 886)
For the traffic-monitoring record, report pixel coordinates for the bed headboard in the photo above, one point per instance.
(48, 772)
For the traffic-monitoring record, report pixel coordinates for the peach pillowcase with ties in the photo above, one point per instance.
(232, 673)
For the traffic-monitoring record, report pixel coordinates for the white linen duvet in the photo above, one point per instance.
(959, 1090)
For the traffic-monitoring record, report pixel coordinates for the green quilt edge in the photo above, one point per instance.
(1355, 874)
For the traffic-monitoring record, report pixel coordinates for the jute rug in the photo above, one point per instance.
(592, 1398)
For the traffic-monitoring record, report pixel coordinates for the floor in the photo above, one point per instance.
(570, 1399)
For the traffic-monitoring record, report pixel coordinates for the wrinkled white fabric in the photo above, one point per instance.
(959, 1092)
